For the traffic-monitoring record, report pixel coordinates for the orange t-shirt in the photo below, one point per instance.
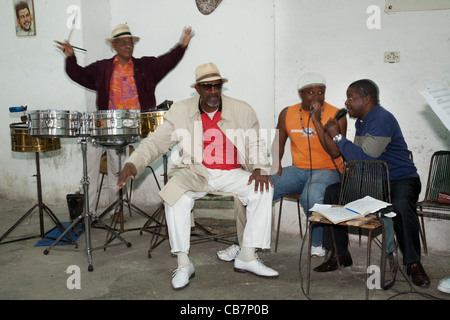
(320, 159)
(122, 91)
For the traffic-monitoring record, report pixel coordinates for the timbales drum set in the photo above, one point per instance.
(41, 130)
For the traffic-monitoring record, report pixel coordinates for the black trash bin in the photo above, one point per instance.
(75, 202)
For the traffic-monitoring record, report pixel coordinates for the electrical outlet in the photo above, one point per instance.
(392, 56)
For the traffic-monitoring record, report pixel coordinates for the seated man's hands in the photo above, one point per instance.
(128, 171)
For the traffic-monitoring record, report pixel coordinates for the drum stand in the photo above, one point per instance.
(42, 207)
(117, 206)
(88, 216)
(158, 217)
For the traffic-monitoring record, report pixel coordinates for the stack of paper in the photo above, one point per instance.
(355, 209)
(438, 97)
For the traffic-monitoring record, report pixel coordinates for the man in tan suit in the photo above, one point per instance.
(220, 151)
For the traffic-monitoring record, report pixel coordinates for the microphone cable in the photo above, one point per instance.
(306, 213)
(307, 202)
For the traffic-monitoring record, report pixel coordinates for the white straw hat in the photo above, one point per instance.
(207, 72)
(122, 31)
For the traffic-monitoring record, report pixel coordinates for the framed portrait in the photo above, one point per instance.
(24, 17)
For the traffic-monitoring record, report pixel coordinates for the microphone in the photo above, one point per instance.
(341, 113)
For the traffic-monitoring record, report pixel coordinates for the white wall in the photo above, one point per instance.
(243, 52)
(237, 37)
(332, 37)
(261, 46)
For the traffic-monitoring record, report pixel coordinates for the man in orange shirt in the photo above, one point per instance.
(122, 82)
(316, 162)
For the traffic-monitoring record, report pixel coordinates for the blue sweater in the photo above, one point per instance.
(379, 137)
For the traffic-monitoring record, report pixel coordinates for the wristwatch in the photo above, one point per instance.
(337, 138)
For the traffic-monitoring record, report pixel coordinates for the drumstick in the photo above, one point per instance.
(60, 43)
(70, 34)
(73, 26)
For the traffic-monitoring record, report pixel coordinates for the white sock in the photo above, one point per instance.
(247, 254)
(183, 259)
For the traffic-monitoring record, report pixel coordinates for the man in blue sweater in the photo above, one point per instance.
(378, 136)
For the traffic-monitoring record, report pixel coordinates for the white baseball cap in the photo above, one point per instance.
(310, 79)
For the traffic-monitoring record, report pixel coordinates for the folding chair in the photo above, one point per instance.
(438, 183)
(199, 231)
(291, 196)
(362, 178)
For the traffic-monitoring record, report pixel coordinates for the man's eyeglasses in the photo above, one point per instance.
(209, 86)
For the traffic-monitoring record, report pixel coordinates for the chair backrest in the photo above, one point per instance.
(438, 175)
(362, 178)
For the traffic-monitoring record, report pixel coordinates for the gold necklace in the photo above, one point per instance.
(309, 131)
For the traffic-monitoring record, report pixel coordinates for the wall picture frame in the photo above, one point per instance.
(24, 17)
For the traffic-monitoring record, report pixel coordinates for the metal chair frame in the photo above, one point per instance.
(438, 181)
(291, 196)
(361, 178)
(157, 222)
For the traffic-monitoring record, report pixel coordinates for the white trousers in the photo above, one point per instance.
(257, 231)
(93, 156)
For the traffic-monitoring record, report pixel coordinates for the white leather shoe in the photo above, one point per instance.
(256, 267)
(181, 276)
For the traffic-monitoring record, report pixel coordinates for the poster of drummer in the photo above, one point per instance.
(24, 17)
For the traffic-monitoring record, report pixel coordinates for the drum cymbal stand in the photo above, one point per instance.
(42, 207)
(87, 215)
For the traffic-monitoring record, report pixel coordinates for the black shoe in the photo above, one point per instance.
(418, 275)
(331, 264)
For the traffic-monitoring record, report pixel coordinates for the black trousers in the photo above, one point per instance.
(331, 196)
(404, 195)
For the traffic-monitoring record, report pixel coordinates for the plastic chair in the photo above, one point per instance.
(438, 182)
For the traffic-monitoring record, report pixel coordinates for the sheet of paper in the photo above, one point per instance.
(317, 207)
(438, 97)
(338, 214)
(355, 209)
(367, 205)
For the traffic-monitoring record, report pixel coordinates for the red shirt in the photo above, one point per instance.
(219, 152)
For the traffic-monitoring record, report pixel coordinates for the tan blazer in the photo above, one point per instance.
(182, 125)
